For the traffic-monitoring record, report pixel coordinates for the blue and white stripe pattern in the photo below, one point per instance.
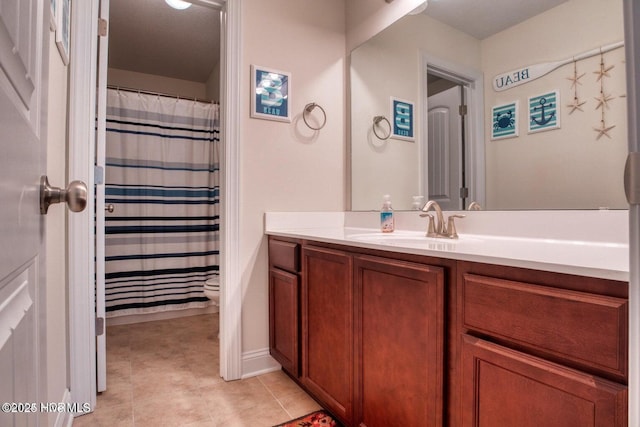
(162, 176)
(544, 112)
(504, 120)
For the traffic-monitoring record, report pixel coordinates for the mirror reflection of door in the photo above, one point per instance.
(445, 143)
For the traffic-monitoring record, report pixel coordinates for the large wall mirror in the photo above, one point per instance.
(558, 141)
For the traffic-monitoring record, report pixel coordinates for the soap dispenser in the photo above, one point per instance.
(386, 215)
(417, 203)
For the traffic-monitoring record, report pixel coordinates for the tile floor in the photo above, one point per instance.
(165, 373)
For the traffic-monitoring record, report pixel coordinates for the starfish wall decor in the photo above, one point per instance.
(575, 81)
(603, 99)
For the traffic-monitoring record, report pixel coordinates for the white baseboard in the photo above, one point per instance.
(258, 362)
(161, 315)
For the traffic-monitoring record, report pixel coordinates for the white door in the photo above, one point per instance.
(103, 53)
(23, 69)
(444, 166)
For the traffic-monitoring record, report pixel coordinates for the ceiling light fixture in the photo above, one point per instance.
(178, 4)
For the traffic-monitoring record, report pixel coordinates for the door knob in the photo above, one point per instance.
(110, 208)
(75, 195)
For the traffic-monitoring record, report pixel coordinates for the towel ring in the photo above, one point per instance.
(376, 121)
(308, 109)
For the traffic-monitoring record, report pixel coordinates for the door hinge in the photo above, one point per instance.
(462, 110)
(99, 326)
(103, 27)
(464, 192)
(632, 178)
(98, 175)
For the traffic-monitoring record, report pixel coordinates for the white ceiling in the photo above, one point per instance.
(483, 18)
(150, 37)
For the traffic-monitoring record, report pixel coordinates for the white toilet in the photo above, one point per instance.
(212, 290)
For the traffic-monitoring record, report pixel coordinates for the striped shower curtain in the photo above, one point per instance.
(162, 176)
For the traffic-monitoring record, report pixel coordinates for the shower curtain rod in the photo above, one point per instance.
(166, 95)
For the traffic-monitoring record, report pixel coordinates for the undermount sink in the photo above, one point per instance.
(406, 238)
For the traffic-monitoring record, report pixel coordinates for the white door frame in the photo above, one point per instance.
(473, 83)
(231, 278)
(82, 99)
(631, 13)
(101, 114)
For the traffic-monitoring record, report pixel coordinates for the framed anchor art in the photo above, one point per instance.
(543, 112)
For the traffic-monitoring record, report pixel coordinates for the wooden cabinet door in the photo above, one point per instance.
(399, 323)
(506, 388)
(283, 319)
(327, 329)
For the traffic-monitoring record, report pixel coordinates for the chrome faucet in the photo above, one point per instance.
(474, 206)
(439, 229)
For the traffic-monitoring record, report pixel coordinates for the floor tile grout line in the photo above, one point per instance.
(133, 404)
(129, 368)
(275, 397)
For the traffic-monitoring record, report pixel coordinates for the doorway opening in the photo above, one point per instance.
(163, 183)
(453, 145)
(84, 326)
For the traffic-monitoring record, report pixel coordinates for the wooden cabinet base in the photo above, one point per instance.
(503, 387)
(387, 339)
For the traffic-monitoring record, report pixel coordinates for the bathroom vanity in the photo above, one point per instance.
(396, 332)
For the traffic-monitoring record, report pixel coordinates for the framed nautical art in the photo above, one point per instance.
(504, 121)
(543, 112)
(270, 94)
(402, 119)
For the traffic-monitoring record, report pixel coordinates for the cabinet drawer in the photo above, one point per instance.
(587, 329)
(284, 255)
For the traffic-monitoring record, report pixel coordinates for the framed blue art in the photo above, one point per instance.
(504, 121)
(543, 112)
(402, 119)
(270, 94)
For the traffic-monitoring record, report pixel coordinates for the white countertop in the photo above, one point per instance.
(602, 259)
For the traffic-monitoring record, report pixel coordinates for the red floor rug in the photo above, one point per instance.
(315, 419)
